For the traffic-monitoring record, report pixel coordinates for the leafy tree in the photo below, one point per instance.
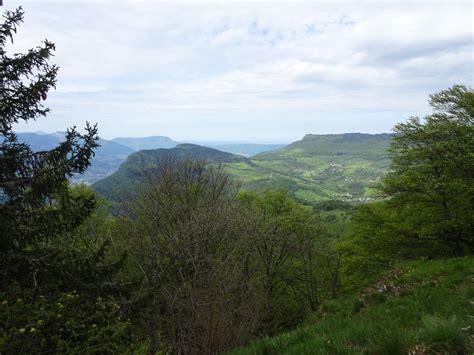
(64, 323)
(286, 256)
(428, 211)
(187, 240)
(431, 181)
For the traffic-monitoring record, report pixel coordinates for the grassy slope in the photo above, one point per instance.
(320, 167)
(428, 308)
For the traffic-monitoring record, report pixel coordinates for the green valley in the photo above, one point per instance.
(319, 167)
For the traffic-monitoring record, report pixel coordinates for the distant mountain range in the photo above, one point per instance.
(156, 142)
(114, 152)
(245, 149)
(106, 161)
(140, 143)
(318, 167)
(315, 168)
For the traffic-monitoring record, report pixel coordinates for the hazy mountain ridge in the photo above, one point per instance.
(246, 149)
(113, 152)
(141, 143)
(157, 142)
(106, 161)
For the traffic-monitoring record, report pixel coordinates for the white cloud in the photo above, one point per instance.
(177, 66)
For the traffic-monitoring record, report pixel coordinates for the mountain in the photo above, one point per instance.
(41, 141)
(106, 161)
(113, 152)
(321, 167)
(317, 168)
(245, 149)
(128, 178)
(372, 146)
(141, 143)
(157, 142)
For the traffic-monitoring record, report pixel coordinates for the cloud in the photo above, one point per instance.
(181, 68)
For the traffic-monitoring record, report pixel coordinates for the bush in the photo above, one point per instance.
(64, 323)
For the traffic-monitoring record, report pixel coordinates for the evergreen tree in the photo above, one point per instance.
(55, 282)
(35, 203)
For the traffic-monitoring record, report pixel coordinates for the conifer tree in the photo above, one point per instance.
(36, 204)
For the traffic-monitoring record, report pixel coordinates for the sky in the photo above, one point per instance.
(249, 71)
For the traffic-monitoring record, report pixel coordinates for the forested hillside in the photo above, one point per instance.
(422, 307)
(319, 167)
(131, 175)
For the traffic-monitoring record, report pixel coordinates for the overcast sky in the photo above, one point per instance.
(264, 72)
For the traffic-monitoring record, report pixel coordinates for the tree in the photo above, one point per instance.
(431, 180)
(36, 204)
(49, 279)
(187, 239)
(286, 257)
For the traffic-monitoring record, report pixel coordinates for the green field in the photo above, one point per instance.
(320, 167)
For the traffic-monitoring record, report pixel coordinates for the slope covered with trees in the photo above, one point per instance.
(421, 307)
(130, 175)
(428, 214)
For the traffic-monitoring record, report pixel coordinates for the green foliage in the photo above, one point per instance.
(428, 211)
(287, 243)
(431, 180)
(68, 322)
(429, 316)
(52, 266)
(35, 202)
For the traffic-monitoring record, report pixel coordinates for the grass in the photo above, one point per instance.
(428, 308)
(319, 168)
